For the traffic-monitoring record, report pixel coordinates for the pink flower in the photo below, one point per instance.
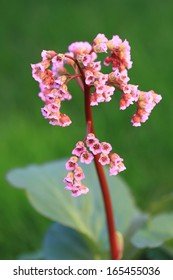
(80, 148)
(156, 97)
(109, 91)
(73, 178)
(54, 121)
(85, 59)
(95, 148)
(37, 71)
(102, 78)
(44, 77)
(84, 189)
(91, 139)
(42, 96)
(116, 164)
(63, 93)
(71, 164)
(93, 100)
(126, 101)
(61, 80)
(123, 77)
(51, 111)
(146, 102)
(69, 187)
(80, 48)
(136, 120)
(120, 54)
(69, 178)
(131, 95)
(64, 120)
(47, 54)
(104, 159)
(58, 62)
(45, 112)
(96, 66)
(86, 157)
(78, 174)
(131, 89)
(135, 92)
(80, 190)
(105, 148)
(114, 43)
(77, 188)
(99, 43)
(96, 99)
(120, 78)
(100, 88)
(54, 107)
(89, 77)
(50, 97)
(114, 170)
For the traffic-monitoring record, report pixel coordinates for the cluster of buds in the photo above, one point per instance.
(84, 152)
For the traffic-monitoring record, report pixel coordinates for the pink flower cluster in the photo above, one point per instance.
(53, 78)
(146, 102)
(120, 59)
(84, 152)
(53, 86)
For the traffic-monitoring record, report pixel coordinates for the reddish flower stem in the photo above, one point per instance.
(115, 254)
(103, 183)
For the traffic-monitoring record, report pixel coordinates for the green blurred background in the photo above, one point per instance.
(26, 28)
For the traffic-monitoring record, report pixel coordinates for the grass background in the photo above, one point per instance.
(26, 28)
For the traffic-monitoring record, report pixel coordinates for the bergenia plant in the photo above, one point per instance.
(53, 76)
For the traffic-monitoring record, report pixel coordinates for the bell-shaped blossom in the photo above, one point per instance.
(78, 174)
(79, 149)
(116, 164)
(106, 147)
(95, 148)
(104, 159)
(72, 163)
(86, 157)
(90, 140)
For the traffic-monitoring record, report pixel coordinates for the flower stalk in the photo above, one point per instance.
(103, 183)
(53, 80)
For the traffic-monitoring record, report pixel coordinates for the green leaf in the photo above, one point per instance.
(139, 219)
(64, 243)
(160, 253)
(36, 255)
(45, 189)
(155, 232)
